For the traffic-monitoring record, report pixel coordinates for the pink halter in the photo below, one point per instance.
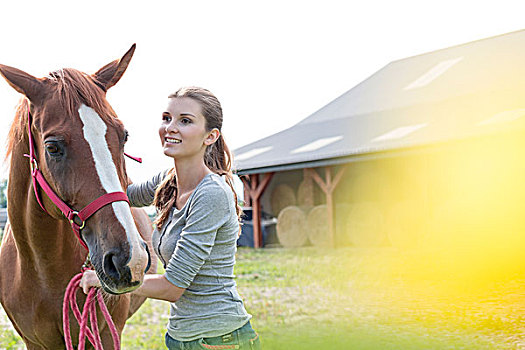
(72, 215)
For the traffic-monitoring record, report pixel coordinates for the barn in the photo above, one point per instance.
(426, 145)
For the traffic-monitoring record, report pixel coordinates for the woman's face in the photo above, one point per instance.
(183, 129)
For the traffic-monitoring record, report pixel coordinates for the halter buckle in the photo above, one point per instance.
(87, 264)
(72, 217)
(33, 165)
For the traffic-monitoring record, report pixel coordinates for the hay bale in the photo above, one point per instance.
(318, 229)
(282, 196)
(291, 227)
(305, 193)
(365, 225)
(405, 224)
(309, 194)
(342, 212)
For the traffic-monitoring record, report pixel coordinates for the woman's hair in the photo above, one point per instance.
(217, 157)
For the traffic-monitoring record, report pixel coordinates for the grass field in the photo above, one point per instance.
(349, 298)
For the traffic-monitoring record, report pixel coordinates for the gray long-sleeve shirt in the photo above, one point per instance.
(197, 246)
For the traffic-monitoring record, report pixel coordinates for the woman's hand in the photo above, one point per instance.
(89, 279)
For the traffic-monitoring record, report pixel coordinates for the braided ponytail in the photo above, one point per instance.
(165, 197)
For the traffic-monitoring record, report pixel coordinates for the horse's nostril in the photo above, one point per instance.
(149, 256)
(112, 266)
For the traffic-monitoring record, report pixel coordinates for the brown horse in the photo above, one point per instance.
(79, 144)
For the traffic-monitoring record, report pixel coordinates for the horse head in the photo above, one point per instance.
(79, 149)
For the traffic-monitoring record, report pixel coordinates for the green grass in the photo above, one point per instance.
(9, 339)
(350, 298)
(356, 299)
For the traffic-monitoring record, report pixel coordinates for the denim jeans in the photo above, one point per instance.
(244, 338)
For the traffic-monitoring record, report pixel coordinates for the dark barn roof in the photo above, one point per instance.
(455, 93)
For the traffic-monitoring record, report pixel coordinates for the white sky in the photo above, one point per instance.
(270, 63)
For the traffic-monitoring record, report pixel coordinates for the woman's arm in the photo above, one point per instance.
(158, 287)
(142, 194)
(154, 286)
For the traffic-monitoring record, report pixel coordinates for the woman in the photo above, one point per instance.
(196, 229)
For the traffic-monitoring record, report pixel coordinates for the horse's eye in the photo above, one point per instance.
(126, 136)
(53, 149)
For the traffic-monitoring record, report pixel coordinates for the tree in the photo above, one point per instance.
(3, 193)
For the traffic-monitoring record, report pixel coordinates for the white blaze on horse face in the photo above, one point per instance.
(95, 134)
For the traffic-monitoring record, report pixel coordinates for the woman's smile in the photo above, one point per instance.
(172, 140)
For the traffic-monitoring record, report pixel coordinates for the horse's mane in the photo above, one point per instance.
(72, 88)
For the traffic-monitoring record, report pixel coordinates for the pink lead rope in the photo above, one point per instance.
(89, 312)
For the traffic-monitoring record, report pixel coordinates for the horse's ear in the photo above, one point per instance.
(23, 82)
(111, 73)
